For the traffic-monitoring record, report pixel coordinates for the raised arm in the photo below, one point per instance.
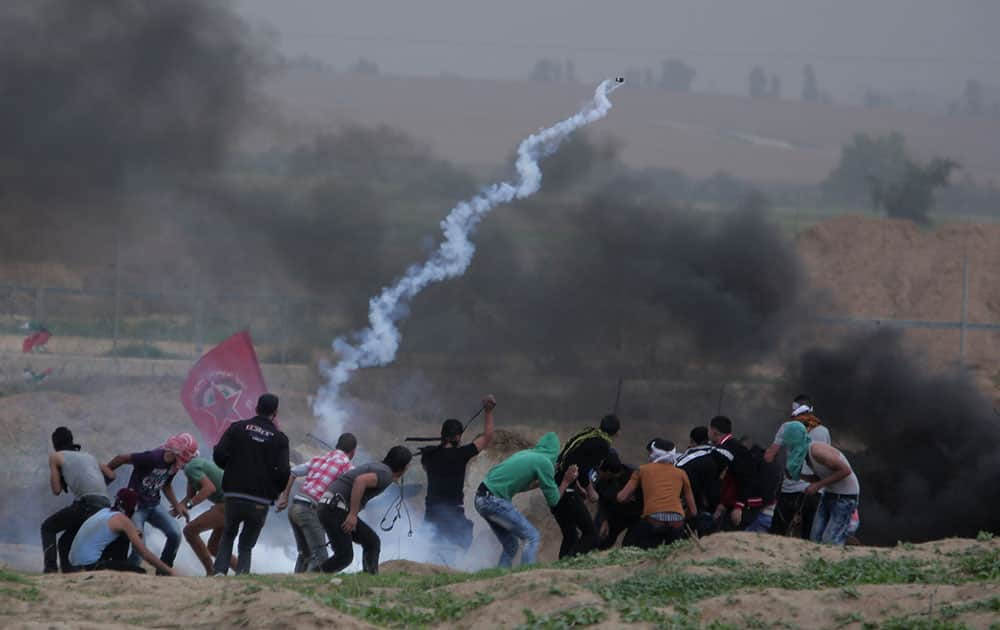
(55, 474)
(483, 441)
(123, 524)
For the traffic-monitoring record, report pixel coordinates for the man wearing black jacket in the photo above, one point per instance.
(701, 462)
(254, 457)
(739, 482)
(585, 450)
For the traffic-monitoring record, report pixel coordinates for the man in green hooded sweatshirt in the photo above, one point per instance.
(521, 471)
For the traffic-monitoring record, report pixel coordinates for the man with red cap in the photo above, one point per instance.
(103, 540)
(153, 471)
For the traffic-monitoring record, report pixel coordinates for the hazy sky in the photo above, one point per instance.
(922, 45)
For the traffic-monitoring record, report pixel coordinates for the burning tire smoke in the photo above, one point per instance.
(377, 345)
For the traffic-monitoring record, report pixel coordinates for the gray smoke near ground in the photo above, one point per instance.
(930, 439)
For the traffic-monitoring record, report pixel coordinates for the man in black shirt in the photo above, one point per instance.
(701, 463)
(613, 517)
(445, 465)
(585, 450)
(254, 457)
(738, 482)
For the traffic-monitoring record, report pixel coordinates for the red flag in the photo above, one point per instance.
(37, 339)
(223, 386)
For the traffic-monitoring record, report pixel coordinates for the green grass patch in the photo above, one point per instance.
(569, 618)
(980, 566)
(395, 600)
(657, 589)
(25, 593)
(11, 576)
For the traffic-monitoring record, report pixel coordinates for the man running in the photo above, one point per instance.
(103, 540)
(320, 472)
(153, 471)
(663, 486)
(346, 497)
(204, 483)
(518, 473)
(585, 450)
(77, 472)
(794, 505)
(445, 466)
(254, 457)
(832, 474)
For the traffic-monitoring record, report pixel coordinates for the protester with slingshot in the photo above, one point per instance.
(445, 465)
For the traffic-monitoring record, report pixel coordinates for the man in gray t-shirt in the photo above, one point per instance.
(793, 500)
(344, 500)
(78, 473)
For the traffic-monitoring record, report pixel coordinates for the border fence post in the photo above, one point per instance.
(199, 307)
(285, 314)
(39, 304)
(965, 309)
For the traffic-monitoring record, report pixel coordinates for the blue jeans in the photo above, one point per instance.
(833, 518)
(510, 527)
(158, 517)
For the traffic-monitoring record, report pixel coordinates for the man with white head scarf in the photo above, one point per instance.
(663, 486)
(794, 505)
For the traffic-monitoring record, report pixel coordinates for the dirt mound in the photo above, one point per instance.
(413, 568)
(893, 269)
(846, 607)
(116, 600)
(744, 580)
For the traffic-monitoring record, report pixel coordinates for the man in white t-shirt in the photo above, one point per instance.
(793, 500)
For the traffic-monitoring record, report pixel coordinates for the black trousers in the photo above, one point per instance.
(572, 515)
(68, 521)
(343, 544)
(617, 524)
(647, 535)
(115, 558)
(450, 524)
(789, 504)
(251, 515)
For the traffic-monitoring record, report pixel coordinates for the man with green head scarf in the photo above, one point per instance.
(832, 474)
(518, 473)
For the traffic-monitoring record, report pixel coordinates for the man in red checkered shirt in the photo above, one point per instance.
(319, 473)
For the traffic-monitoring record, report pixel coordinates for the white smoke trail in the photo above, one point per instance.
(377, 344)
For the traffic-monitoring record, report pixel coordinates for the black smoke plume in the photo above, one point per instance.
(99, 98)
(929, 460)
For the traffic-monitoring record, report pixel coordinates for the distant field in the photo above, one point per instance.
(478, 122)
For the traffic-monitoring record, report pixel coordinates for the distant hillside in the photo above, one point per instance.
(479, 122)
